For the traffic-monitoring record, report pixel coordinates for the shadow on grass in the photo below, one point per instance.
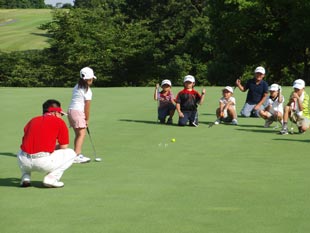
(42, 34)
(15, 182)
(207, 114)
(258, 130)
(292, 140)
(141, 121)
(7, 154)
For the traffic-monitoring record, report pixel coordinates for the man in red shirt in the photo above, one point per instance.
(44, 147)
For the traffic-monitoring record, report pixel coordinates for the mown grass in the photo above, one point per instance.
(232, 179)
(19, 29)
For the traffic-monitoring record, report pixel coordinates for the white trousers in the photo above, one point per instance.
(53, 164)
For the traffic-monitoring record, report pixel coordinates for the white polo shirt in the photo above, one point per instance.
(79, 96)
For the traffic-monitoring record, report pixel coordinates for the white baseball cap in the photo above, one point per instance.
(274, 87)
(299, 84)
(87, 73)
(260, 69)
(189, 78)
(228, 88)
(166, 81)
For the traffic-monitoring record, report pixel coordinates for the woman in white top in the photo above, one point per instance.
(79, 111)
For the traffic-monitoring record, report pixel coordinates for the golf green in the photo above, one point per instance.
(234, 179)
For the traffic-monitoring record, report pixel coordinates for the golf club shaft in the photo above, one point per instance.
(91, 142)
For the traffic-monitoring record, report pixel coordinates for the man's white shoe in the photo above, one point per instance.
(52, 182)
(25, 181)
(81, 159)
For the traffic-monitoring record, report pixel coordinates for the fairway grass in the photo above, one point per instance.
(19, 29)
(234, 179)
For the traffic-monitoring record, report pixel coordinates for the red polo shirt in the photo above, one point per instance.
(188, 100)
(42, 133)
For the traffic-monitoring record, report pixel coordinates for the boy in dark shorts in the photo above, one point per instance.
(187, 102)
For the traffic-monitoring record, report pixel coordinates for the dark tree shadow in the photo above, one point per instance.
(42, 34)
(8, 154)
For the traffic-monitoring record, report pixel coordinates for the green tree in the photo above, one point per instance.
(102, 40)
(259, 32)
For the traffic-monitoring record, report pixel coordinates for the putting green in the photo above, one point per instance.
(232, 179)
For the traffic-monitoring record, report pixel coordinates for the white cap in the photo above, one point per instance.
(260, 69)
(274, 87)
(189, 78)
(87, 73)
(228, 88)
(166, 81)
(299, 84)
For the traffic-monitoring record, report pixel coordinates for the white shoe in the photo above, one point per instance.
(52, 182)
(234, 122)
(268, 122)
(81, 159)
(25, 180)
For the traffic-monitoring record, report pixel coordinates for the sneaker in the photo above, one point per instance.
(283, 131)
(169, 121)
(217, 122)
(81, 159)
(300, 130)
(234, 122)
(52, 182)
(25, 181)
(268, 122)
(194, 124)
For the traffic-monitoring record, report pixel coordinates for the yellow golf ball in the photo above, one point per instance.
(173, 140)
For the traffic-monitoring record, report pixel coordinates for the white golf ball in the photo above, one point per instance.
(98, 159)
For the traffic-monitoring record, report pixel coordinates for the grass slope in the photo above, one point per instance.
(232, 179)
(19, 29)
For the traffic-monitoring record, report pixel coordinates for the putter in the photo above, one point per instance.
(212, 123)
(97, 159)
(157, 105)
(195, 120)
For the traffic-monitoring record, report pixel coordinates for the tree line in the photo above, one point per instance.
(11, 4)
(139, 43)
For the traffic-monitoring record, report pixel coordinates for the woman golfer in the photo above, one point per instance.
(79, 111)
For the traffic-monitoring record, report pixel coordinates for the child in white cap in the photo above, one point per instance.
(79, 111)
(273, 107)
(165, 100)
(187, 102)
(297, 109)
(226, 111)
